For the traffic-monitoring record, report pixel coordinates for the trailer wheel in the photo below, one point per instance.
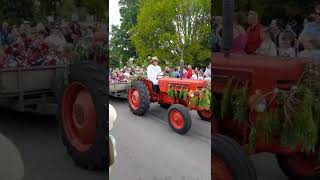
(138, 98)
(299, 168)
(228, 161)
(205, 115)
(82, 115)
(179, 118)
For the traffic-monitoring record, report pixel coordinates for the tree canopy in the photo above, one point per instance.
(165, 27)
(121, 47)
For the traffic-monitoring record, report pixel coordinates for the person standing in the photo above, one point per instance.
(153, 71)
(254, 30)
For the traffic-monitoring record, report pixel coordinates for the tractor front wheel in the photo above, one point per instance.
(179, 118)
(138, 97)
(297, 167)
(228, 161)
(82, 115)
(205, 115)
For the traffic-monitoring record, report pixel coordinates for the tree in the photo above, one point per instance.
(96, 7)
(165, 27)
(121, 46)
(16, 11)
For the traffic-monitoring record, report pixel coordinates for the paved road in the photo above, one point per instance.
(149, 150)
(38, 141)
(267, 167)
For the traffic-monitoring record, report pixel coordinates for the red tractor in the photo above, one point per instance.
(141, 94)
(268, 123)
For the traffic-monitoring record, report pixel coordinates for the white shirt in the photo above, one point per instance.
(287, 52)
(267, 48)
(207, 73)
(152, 73)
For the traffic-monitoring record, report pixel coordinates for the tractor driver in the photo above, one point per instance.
(153, 71)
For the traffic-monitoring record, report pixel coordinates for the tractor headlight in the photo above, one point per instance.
(258, 102)
(261, 104)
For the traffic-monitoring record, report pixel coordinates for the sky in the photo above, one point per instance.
(114, 14)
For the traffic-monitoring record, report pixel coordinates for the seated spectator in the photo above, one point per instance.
(167, 72)
(239, 35)
(56, 39)
(267, 47)
(194, 75)
(189, 74)
(207, 73)
(285, 42)
(312, 28)
(311, 48)
(275, 28)
(4, 32)
(176, 73)
(253, 32)
(200, 75)
(185, 73)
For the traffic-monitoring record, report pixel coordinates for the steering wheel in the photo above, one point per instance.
(160, 75)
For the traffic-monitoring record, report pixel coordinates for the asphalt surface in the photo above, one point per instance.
(148, 149)
(37, 138)
(267, 167)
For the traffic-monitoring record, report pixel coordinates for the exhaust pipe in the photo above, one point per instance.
(227, 34)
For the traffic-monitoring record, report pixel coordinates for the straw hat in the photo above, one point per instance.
(154, 59)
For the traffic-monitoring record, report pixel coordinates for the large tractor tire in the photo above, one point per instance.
(299, 167)
(138, 97)
(179, 118)
(82, 115)
(228, 161)
(205, 115)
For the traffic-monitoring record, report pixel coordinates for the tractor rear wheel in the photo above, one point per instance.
(299, 167)
(82, 115)
(138, 97)
(205, 115)
(228, 161)
(179, 118)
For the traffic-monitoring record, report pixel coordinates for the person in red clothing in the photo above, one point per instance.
(254, 39)
(189, 75)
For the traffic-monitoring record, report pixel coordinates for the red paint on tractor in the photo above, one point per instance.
(79, 116)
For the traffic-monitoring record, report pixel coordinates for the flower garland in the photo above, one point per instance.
(200, 98)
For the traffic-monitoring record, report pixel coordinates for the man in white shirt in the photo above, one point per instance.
(153, 71)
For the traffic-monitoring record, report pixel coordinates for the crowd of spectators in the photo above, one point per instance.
(47, 43)
(125, 74)
(274, 39)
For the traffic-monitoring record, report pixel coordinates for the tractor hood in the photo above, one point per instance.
(190, 84)
(264, 73)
